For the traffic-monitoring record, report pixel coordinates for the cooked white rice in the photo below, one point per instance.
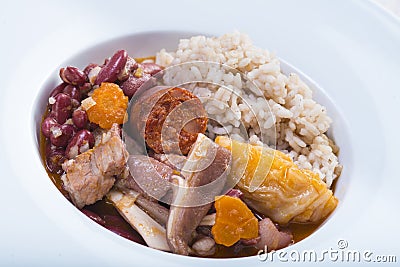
(292, 120)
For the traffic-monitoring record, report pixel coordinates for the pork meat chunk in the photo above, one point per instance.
(271, 238)
(90, 175)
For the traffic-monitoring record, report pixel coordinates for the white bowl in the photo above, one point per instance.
(357, 68)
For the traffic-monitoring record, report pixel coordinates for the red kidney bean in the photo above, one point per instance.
(93, 216)
(50, 148)
(85, 88)
(80, 118)
(111, 70)
(75, 95)
(75, 104)
(81, 142)
(58, 89)
(133, 83)
(89, 67)
(130, 66)
(62, 108)
(47, 124)
(73, 92)
(105, 62)
(73, 75)
(54, 159)
(92, 126)
(150, 68)
(60, 135)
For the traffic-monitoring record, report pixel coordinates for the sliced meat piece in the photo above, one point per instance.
(111, 156)
(90, 175)
(150, 175)
(174, 161)
(271, 238)
(208, 163)
(84, 181)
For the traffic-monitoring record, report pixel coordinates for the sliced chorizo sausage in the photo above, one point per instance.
(168, 118)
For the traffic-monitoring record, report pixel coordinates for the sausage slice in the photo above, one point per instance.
(168, 118)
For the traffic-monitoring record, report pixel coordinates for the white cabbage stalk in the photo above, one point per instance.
(151, 231)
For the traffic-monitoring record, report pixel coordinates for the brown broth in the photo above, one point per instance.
(141, 59)
(303, 230)
(235, 251)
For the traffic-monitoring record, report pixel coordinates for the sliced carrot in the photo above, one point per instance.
(110, 107)
(234, 220)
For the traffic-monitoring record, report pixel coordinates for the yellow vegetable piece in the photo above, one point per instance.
(273, 185)
(110, 107)
(233, 221)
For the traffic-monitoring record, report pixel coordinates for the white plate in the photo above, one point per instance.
(350, 48)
